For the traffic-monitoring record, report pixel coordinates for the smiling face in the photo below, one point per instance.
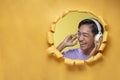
(86, 38)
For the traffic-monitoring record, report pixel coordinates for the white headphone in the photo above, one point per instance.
(99, 35)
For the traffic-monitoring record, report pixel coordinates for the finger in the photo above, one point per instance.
(69, 37)
(73, 39)
(75, 43)
(74, 35)
(96, 45)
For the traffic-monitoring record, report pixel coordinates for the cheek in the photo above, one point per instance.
(90, 42)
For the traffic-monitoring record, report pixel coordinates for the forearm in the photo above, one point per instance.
(61, 46)
(93, 52)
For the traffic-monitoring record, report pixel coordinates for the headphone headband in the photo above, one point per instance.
(98, 25)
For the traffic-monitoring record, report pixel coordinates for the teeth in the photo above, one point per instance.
(82, 43)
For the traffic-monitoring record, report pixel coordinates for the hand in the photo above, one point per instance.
(96, 48)
(70, 40)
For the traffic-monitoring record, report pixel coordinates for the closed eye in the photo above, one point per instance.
(86, 35)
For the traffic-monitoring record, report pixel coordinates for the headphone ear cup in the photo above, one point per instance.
(97, 37)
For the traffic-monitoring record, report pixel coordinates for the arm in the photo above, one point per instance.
(67, 42)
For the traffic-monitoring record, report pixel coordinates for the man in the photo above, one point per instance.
(87, 31)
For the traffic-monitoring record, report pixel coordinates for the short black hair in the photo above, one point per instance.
(92, 24)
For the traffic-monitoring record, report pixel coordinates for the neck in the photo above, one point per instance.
(87, 52)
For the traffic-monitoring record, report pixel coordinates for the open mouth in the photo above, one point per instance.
(82, 44)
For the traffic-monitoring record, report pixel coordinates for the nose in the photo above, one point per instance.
(81, 38)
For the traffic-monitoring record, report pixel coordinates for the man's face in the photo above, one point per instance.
(86, 38)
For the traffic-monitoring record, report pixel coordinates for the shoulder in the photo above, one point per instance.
(73, 50)
(76, 49)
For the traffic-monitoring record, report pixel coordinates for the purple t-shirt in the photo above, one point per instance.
(76, 54)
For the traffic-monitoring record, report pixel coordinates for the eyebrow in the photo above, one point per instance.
(84, 32)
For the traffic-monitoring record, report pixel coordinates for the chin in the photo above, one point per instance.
(83, 48)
